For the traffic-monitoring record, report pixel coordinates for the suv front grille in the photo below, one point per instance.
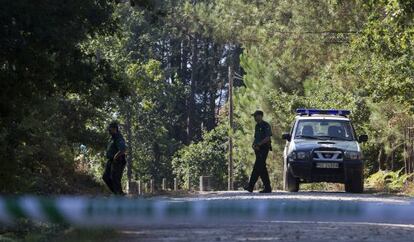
(327, 155)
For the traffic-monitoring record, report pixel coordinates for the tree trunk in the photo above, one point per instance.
(380, 162)
(181, 126)
(191, 99)
(211, 122)
(155, 174)
(128, 130)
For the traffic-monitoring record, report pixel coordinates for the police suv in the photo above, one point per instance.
(322, 147)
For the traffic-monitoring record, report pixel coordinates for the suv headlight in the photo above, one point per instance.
(292, 156)
(353, 155)
(301, 155)
(298, 155)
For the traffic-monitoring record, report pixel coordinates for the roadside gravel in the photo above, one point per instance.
(309, 231)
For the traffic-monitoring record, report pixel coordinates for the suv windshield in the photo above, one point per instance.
(324, 129)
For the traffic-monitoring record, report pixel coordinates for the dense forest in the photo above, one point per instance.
(68, 68)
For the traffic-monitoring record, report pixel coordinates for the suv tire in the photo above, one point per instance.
(355, 184)
(291, 183)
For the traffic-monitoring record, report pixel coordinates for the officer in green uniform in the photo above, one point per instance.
(115, 153)
(261, 146)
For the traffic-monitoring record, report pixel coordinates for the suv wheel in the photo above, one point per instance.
(291, 183)
(355, 184)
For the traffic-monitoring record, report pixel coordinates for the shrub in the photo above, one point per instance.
(390, 181)
(205, 158)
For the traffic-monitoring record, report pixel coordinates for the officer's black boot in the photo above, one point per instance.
(248, 188)
(266, 191)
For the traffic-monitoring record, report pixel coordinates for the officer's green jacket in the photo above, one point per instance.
(116, 144)
(261, 131)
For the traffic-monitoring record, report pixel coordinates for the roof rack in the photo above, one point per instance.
(309, 112)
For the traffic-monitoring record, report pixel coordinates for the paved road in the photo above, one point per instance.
(372, 218)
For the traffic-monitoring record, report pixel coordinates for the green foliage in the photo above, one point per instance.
(386, 46)
(204, 158)
(53, 93)
(389, 180)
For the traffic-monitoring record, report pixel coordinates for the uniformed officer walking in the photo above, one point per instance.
(115, 165)
(261, 146)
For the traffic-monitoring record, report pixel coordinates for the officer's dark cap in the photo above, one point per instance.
(113, 124)
(258, 112)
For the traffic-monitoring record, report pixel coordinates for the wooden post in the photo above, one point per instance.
(145, 187)
(175, 184)
(205, 183)
(152, 186)
(230, 165)
(201, 184)
(405, 151)
(410, 149)
(139, 187)
(128, 187)
(132, 187)
(164, 185)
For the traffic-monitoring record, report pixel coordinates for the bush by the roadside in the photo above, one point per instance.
(208, 157)
(391, 181)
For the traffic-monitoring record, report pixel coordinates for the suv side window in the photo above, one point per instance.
(292, 126)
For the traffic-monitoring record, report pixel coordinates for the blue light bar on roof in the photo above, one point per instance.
(303, 111)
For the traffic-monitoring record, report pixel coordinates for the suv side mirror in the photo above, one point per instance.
(286, 136)
(363, 138)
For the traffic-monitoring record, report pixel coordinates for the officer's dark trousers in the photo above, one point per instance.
(113, 174)
(260, 170)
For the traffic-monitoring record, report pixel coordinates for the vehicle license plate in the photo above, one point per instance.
(327, 165)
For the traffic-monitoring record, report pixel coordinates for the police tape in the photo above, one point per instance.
(114, 212)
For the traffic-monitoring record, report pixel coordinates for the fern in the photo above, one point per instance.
(389, 180)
